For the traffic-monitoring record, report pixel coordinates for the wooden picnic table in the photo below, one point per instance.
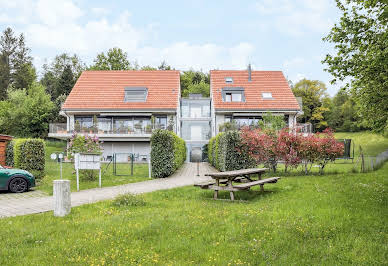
(224, 181)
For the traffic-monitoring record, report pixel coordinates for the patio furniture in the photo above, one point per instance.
(225, 181)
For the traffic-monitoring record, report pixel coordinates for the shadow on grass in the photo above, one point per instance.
(239, 196)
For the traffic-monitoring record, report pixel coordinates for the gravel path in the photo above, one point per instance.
(37, 202)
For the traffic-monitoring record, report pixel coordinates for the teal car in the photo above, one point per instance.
(16, 180)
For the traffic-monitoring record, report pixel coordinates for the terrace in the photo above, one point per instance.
(106, 127)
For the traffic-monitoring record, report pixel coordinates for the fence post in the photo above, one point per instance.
(62, 201)
(149, 166)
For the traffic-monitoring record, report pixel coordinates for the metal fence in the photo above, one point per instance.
(368, 163)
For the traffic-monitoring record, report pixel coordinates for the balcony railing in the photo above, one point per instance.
(61, 128)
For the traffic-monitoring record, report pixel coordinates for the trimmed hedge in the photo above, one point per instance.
(9, 154)
(227, 153)
(168, 153)
(29, 154)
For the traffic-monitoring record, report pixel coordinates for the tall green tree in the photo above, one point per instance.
(114, 59)
(313, 93)
(16, 66)
(195, 82)
(26, 112)
(361, 59)
(61, 66)
(66, 81)
(343, 114)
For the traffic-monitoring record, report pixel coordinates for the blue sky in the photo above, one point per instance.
(271, 35)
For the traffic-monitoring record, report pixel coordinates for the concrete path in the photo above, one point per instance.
(36, 202)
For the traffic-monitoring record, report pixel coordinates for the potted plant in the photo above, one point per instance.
(77, 126)
(148, 129)
(138, 127)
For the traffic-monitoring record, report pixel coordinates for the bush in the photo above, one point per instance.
(128, 200)
(227, 153)
(29, 154)
(84, 144)
(211, 147)
(9, 154)
(168, 153)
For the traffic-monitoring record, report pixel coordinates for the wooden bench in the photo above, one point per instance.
(225, 181)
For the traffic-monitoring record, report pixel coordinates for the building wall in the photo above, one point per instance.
(220, 119)
(136, 147)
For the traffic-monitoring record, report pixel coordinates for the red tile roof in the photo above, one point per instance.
(104, 90)
(262, 81)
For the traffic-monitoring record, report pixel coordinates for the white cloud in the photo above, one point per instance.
(53, 13)
(62, 26)
(295, 17)
(183, 55)
(100, 11)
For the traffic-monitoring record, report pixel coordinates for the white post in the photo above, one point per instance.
(61, 168)
(62, 201)
(99, 178)
(77, 173)
(149, 166)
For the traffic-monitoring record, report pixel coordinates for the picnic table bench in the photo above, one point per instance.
(224, 181)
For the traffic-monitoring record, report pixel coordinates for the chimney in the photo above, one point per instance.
(249, 73)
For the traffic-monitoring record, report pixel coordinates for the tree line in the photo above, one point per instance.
(28, 103)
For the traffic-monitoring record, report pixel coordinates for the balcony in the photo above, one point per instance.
(104, 130)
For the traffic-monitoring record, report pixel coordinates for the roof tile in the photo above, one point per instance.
(105, 90)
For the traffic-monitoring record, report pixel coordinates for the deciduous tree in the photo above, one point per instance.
(361, 59)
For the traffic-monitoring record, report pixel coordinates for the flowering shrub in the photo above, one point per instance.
(261, 145)
(288, 148)
(84, 144)
(269, 147)
(329, 149)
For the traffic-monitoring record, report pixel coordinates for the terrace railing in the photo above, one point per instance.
(61, 128)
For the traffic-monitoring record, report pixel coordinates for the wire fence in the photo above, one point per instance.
(366, 163)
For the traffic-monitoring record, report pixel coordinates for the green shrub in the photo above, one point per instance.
(236, 157)
(179, 151)
(29, 154)
(210, 150)
(168, 153)
(9, 154)
(130, 200)
(227, 153)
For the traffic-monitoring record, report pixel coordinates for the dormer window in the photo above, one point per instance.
(135, 94)
(266, 95)
(229, 80)
(233, 94)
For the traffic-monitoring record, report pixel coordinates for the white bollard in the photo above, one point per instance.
(62, 202)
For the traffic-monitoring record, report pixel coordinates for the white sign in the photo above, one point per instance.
(53, 156)
(85, 161)
(88, 161)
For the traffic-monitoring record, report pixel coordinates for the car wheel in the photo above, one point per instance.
(18, 185)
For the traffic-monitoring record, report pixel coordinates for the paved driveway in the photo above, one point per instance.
(36, 201)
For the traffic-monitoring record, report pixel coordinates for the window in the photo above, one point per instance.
(267, 95)
(236, 97)
(229, 80)
(233, 94)
(135, 94)
(161, 122)
(228, 97)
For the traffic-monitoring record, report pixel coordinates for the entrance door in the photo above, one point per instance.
(196, 132)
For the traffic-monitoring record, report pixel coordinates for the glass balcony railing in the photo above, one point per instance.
(105, 128)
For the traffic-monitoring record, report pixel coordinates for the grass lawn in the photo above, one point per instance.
(371, 143)
(140, 172)
(301, 220)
